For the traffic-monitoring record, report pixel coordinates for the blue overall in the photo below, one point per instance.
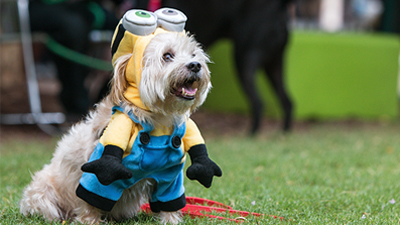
(157, 157)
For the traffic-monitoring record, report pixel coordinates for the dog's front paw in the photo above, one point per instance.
(170, 217)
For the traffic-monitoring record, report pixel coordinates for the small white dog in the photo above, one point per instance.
(132, 147)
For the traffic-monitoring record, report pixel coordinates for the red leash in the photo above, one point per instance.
(200, 207)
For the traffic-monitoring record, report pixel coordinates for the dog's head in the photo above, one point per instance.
(162, 70)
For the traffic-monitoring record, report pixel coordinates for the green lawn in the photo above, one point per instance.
(319, 174)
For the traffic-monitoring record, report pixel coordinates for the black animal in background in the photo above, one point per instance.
(258, 29)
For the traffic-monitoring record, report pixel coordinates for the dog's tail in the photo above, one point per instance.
(40, 197)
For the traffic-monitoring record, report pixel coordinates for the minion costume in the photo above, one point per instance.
(129, 150)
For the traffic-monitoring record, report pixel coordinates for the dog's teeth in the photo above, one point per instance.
(185, 93)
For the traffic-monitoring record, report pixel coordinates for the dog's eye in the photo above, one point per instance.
(168, 57)
(193, 55)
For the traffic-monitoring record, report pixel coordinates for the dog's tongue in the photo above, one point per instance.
(189, 91)
(186, 92)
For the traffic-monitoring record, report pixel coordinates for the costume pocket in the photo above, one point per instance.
(159, 159)
(155, 159)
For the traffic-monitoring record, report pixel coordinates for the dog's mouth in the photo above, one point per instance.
(187, 90)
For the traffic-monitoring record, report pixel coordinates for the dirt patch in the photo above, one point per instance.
(214, 125)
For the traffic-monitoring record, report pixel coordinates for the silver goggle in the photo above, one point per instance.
(142, 22)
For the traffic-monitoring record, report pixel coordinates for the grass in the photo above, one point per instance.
(319, 174)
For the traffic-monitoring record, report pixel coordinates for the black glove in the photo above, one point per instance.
(109, 167)
(203, 168)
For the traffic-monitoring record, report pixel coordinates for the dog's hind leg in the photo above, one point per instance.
(247, 63)
(274, 71)
(87, 214)
(40, 197)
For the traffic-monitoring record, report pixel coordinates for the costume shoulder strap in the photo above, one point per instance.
(130, 114)
(180, 130)
(146, 127)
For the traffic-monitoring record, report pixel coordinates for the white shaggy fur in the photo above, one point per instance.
(52, 191)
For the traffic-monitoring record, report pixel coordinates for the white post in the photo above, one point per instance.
(331, 15)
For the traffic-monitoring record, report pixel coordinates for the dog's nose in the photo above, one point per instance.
(194, 66)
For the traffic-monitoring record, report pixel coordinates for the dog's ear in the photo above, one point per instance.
(118, 82)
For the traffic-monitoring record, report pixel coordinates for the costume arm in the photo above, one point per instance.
(203, 169)
(115, 139)
(192, 136)
(119, 131)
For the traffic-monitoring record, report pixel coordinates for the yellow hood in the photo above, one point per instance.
(132, 44)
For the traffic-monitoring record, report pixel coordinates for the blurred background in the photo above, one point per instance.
(341, 62)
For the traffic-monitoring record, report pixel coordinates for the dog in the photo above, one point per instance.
(131, 148)
(258, 29)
